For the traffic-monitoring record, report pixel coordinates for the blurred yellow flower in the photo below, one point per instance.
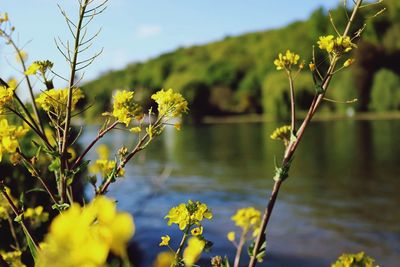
(231, 236)
(8, 137)
(193, 251)
(87, 235)
(6, 96)
(247, 219)
(164, 259)
(13, 258)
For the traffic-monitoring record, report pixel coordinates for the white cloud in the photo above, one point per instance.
(146, 31)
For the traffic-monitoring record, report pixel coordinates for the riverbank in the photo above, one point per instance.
(256, 118)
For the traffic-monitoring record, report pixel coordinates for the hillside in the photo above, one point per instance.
(236, 75)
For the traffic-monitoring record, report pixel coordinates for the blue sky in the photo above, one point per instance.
(136, 30)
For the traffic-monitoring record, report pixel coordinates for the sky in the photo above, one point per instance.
(136, 30)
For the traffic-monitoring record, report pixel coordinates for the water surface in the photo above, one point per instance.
(341, 196)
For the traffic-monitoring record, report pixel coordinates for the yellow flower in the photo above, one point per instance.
(135, 130)
(12, 258)
(8, 137)
(197, 231)
(170, 104)
(311, 66)
(103, 151)
(188, 214)
(286, 61)
(165, 240)
(32, 69)
(36, 215)
(124, 108)
(348, 62)
(87, 235)
(354, 260)
(231, 236)
(54, 101)
(282, 133)
(6, 96)
(247, 218)
(164, 259)
(337, 46)
(193, 251)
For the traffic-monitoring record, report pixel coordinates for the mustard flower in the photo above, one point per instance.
(197, 231)
(354, 260)
(336, 46)
(193, 251)
(348, 62)
(12, 258)
(247, 219)
(6, 96)
(9, 135)
(21, 56)
(282, 133)
(165, 240)
(231, 236)
(97, 227)
(39, 66)
(103, 165)
(170, 104)
(124, 107)
(286, 61)
(36, 215)
(185, 215)
(54, 101)
(164, 259)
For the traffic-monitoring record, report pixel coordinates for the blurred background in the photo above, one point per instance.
(342, 193)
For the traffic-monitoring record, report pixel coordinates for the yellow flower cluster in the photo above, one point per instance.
(36, 215)
(188, 214)
(5, 208)
(337, 46)
(12, 258)
(165, 259)
(40, 66)
(6, 96)
(193, 251)
(247, 219)
(124, 108)
(84, 236)
(54, 101)
(286, 61)
(103, 165)
(170, 104)
(282, 133)
(9, 135)
(354, 260)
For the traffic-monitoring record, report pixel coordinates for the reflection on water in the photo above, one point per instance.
(342, 195)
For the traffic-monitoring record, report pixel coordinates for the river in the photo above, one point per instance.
(342, 194)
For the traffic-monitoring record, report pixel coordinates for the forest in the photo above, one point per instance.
(236, 75)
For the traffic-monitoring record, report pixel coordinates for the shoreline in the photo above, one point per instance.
(257, 118)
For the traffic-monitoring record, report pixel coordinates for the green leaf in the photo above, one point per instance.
(60, 207)
(36, 190)
(31, 245)
(19, 218)
(55, 165)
